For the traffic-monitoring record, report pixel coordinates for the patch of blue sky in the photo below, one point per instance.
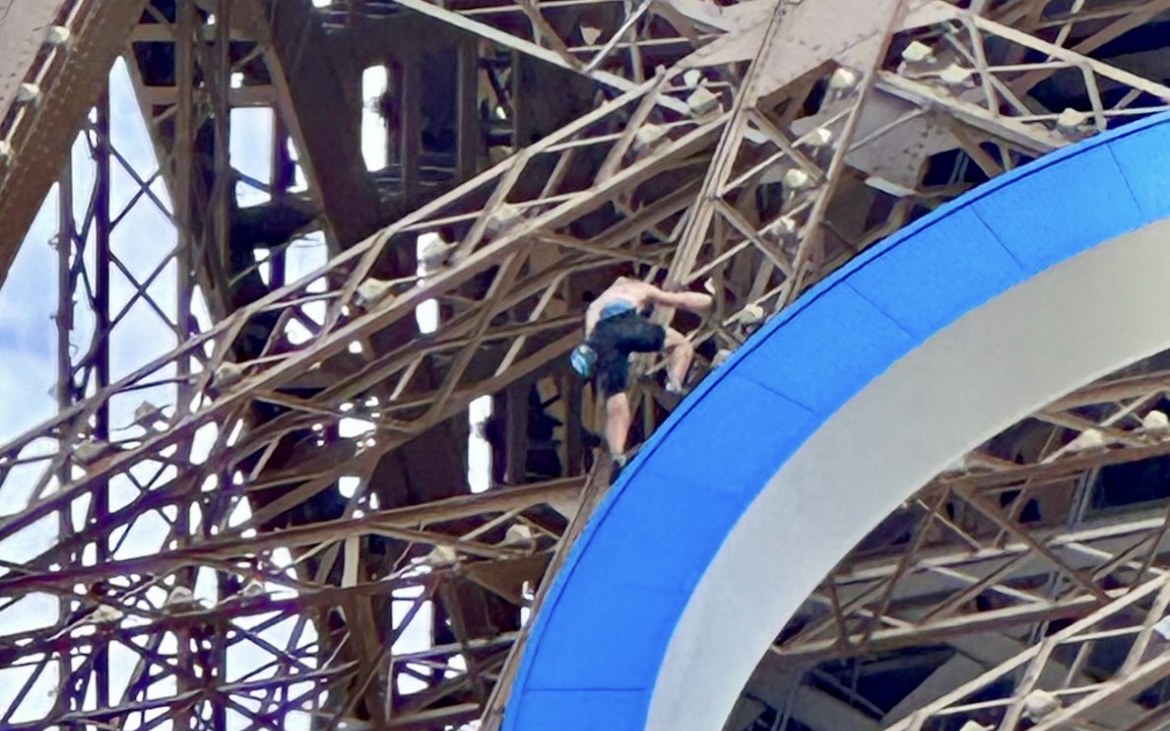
(28, 302)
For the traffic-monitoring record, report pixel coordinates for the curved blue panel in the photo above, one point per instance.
(594, 654)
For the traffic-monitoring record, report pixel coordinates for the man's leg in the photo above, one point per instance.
(679, 354)
(617, 424)
(613, 378)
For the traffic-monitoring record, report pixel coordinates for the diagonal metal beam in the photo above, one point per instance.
(37, 135)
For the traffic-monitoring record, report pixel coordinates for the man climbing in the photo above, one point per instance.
(614, 328)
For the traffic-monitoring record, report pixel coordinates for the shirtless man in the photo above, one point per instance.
(615, 328)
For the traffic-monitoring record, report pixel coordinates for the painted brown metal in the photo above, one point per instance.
(40, 143)
(24, 29)
(596, 192)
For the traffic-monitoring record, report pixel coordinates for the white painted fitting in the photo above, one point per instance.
(955, 75)
(843, 79)
(1156, 421)
(796, 178)
(58, 35)
(918, 52)
(647, 136)
(28, 93)
(371, 290)
(1086, 440)
(820, 137)
(503, 217)
(227, 374)
(1070, 119)
(1040, 703)
(702, 101)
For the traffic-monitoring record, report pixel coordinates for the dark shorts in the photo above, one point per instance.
(614, 338)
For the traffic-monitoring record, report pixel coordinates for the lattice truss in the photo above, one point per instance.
(695, 143)
(1012, 589)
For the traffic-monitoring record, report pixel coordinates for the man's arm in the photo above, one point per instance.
(696, 302)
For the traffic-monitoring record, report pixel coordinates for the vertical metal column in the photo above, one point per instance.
(101, 353)
(516, 439)
(84, 273)
(574, 447)
(468, 110)
(521, 119)
(220, 75)
(188, 261)
(184, 133)
(67, 698)
(410, 127)
(283, 176)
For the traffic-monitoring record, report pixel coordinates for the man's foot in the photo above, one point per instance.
(619, 463)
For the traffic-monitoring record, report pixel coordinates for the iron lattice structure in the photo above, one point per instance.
(749, 147)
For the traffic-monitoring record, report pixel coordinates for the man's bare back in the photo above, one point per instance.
(634, 292)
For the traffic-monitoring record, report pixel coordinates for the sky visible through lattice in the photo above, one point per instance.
(142, 241)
